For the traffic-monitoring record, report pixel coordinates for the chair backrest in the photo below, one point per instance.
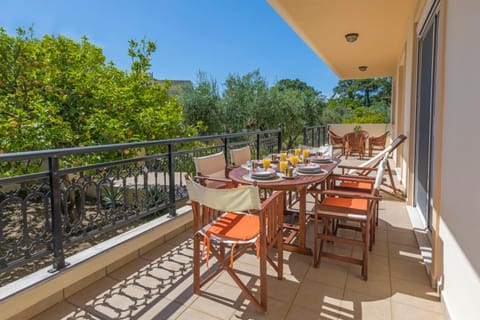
(333, 134)
(365, 134)
(240, 156)
(374, 161)
(379, 141)
(212, 165)
(336, 140)
(355, 140)
(382, 137)
(227, 200)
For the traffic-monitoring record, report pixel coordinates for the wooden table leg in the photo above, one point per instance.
(300, 229)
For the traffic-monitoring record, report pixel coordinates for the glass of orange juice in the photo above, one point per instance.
(283, 165)
(306, 153)
(266, 163)
(283, 155)
(294, 160)
(297, 151)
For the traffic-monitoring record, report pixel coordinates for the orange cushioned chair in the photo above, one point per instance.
(339, 209)
(357, 183)
(228, 222)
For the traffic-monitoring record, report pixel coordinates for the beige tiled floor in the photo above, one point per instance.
(159, 285)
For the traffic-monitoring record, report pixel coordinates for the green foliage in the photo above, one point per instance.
(56, 92)
(337, 110)
(112, 197)
(249, 104)
(202, 105)
(296, 104)
(360, 101)
(156, 196)
(246, 102)
(366, 91)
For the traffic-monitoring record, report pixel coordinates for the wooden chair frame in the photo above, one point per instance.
(347, 210)
(270, 235)
(366, 167)
(355, 183)
(337, 142)
(355, 142)
(377, 143)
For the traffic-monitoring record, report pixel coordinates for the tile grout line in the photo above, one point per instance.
(298, 289)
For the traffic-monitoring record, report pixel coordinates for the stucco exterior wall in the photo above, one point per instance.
(460, 214)
(374, 129)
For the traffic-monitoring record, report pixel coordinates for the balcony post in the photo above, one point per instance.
(225, 151)
(325, 134)
(57, 235)
(258, 146)
(279, 142)
(313, 137)
(171, 182)
(305, 138)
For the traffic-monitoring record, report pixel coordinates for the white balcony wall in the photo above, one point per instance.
(460, 209)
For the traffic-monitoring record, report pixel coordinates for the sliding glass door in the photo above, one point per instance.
(425, 109)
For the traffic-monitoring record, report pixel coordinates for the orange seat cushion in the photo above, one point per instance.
(359, 204)
(236, 227)
(356, 185)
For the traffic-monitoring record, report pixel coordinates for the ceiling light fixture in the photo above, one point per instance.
(363, 68)
(351, 37)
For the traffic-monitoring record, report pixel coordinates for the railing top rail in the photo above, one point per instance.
(109, 147)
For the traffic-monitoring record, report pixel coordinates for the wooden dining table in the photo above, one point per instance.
(296, 233)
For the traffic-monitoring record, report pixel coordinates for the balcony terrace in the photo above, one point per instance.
(158, 284)
(150, 277)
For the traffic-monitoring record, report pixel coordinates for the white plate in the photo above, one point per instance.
(321, 160)
(321, 171)
(290, 178)
(309, 168)
(262, 174)
(270, 177)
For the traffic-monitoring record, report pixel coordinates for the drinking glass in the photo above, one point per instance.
(289, 171)
(306, 154)
(283, 165)
(294, 160)
(283, 156)
(266, 163)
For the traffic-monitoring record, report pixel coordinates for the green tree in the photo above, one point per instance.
(246, 102)
(360, 101)
(295, 104)
(56, 92)
(365, 91)
(202, 105)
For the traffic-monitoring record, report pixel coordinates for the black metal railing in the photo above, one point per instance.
(315, 136)
(50, 200)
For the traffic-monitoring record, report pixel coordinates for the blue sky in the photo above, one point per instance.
(218, 37)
